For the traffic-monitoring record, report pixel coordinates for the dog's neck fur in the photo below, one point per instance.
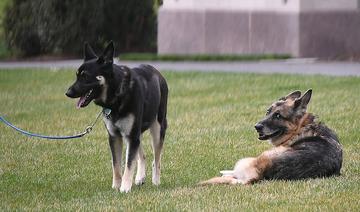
(112, 101)
(109, 91)
(298, 131)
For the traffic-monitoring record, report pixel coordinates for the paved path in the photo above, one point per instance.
(294, 66)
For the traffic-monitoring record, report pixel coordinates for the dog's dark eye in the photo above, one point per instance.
(80, 73)
(277, 115)
(84, 75)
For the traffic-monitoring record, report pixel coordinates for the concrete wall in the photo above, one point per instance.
(181, 32)
(274, 33)
(328, 5)
(300, 30)
(268, 5)
(329, 34)
(227, 32)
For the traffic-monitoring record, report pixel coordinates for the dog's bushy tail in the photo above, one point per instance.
(163, 107)
(230, 180)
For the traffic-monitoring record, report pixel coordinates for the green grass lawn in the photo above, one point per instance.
(211, 118)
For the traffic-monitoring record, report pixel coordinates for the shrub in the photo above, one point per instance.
(136, 25)
(19, 28)
(61, 26)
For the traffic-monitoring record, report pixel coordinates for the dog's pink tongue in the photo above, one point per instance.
(80, 102)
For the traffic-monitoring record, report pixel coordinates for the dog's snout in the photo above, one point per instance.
(259, 127)
(70, 93)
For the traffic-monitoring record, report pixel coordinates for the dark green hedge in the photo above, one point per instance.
(34, 27)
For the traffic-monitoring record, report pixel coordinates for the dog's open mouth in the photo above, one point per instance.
(272, 135)
(85, 100)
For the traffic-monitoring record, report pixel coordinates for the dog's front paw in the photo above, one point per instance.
(116, 184)
(140, 176)
(125, 186)
(156, 180)
(139, 180)
(156, 175)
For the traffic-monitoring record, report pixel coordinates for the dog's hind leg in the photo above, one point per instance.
(157, 131)
(140, 173)
(116, 144)
(157, 144)
(131, 156)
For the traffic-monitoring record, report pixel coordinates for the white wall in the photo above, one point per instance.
(308, 5)
(264, 5)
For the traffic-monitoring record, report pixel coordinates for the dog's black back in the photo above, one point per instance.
(309, 157)
(312, 149)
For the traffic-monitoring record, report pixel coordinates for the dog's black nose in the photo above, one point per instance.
(70, 93)
(259, 127)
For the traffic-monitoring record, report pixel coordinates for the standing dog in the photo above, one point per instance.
(304, 148)
(137, 99)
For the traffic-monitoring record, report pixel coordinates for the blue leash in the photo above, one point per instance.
(87, 129)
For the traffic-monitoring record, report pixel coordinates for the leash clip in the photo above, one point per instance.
(88, 129)
(106, 112)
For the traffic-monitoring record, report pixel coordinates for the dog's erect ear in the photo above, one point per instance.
(302, 102)
(108, 55)
(294, 95)
(88, 52)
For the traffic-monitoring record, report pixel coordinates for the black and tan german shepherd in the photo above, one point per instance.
(303, 147)
(137, 99)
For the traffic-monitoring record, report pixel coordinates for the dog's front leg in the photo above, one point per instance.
(131, 156)
(116, 144)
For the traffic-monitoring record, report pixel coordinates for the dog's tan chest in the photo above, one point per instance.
(123, 125)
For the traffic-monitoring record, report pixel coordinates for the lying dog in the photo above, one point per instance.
(304, 148)
(137, 99)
